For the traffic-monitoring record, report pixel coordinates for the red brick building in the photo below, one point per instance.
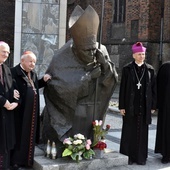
(124, 22)
(128, 21)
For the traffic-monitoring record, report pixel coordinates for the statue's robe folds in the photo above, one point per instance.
(70, 96)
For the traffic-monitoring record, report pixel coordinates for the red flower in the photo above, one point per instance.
(94, 123)
(101, 145)
(107, 127)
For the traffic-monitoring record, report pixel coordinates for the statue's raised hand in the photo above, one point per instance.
(101, 59)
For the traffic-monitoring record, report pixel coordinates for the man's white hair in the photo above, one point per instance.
(28, 53)
(2, 43)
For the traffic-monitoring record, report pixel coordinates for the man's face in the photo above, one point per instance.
(139, 57)
(4, 53)
(86, 56)
(28, 63)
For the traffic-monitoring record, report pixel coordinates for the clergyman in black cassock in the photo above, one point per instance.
(163, 122)
(137, 99)
(7, 104)
(27, 116)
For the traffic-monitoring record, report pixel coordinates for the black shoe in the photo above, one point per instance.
(165, 160)
(130, 162)
(141, 163)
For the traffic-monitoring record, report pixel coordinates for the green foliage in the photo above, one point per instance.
(88, 154)
(66, 152)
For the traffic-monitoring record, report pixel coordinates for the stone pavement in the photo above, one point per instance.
(113, 159)
(113, 139)
(113, 142)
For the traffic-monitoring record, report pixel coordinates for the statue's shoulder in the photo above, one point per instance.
(65, 48)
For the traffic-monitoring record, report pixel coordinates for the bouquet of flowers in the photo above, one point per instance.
(78, 147)
(99, 135)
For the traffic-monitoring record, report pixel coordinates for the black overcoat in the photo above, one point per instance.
(21, 84)
(127, 91)
(7, 133)
(163, 125)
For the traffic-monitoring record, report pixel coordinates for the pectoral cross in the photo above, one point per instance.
(139, 85)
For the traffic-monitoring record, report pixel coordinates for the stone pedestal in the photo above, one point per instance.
(109, 161)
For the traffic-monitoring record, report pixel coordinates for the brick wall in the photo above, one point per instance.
(142, 23)
(154, 20)
(167, 21)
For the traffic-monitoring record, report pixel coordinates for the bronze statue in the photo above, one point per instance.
(83, 80)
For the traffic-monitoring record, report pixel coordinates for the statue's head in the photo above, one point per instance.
(83, 26)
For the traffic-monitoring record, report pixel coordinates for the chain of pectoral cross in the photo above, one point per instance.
(1, 75)
(30, 81)
(139, 80)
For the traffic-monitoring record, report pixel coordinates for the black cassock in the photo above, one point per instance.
(24, 156)
(163, 123)
(134, 139)
(7, 133)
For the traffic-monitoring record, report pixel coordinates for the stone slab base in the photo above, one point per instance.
(108, 162)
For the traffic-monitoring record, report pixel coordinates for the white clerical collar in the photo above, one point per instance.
(139, 64)
(22, 67)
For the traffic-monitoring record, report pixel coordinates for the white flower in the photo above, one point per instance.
(96, 122)
(76, 142)
(100, 122)
(79, 136)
